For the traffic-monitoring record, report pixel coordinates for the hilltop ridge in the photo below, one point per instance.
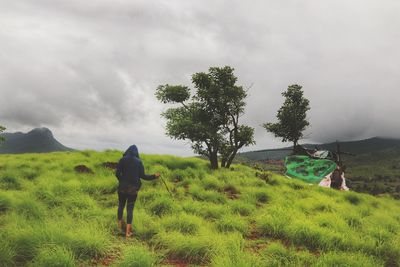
(38, 140)
(370, 145)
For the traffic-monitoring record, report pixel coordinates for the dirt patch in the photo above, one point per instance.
(256, 248)
(175, 262)
(186, 187)
(107, 260)
(253, 235)
(110, 165)
(83, 169)
(231, 192)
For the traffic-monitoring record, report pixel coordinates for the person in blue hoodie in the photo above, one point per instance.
(129, 171)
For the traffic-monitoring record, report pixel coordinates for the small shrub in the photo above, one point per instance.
(304, 233)
(5, 202)
(232, 253)
(275, 254)
(323, 207)
(162, 206)
(7, 253)
(209, 196)
(29, 174)
(192, 249)
(148, 196)
(26, 244)
(9, 183)
(331, 221)
(261, 196)
(347, 259)
(296, 186)
(185, 224)
(87, 243)
(242, 208)
(231, 224)
(211, 183)
(352, 198)
(30, 209)
(47, 197)
(212, 212)
(79, 202)
(55, 256)
(144, 226)
(230, 189)
(138, 256)
(274, 224)
(353, 220)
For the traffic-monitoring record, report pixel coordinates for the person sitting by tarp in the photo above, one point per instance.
(335, 180)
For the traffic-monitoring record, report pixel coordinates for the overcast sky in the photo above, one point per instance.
(88, 69)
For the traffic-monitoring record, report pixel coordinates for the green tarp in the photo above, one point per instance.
(308, 169)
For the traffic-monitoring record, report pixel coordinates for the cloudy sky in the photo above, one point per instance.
(88, 69)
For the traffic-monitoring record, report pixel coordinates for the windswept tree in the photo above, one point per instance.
(210, 118)
(292, 116)
(2, 128)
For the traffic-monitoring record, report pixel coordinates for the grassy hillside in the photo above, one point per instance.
(52, 216)
(375, 173)
(374, 169)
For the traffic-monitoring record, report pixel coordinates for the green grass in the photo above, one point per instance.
(54, 256)
(52, 216)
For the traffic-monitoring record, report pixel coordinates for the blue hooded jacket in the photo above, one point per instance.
(130, 170)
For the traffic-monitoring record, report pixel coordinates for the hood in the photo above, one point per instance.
(132, 151)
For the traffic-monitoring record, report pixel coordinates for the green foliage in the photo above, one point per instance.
(172, 94)
(292, 117)
(138, 256)
(231, 224)
(194, 249)
(54, 256)
(234, 254)
(278, 255)
(2, 128)
(9, 182)
(162, 206)
(186, 224)
(30, 209)
(347, 260)
(216, 218)
(7, 253)
(211, 119)
(5, 202)
(242, 209)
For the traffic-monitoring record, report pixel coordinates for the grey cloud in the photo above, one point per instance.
(89, 68)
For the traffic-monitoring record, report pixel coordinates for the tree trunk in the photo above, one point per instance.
(214, 160)
(231, 158)
(223, 162)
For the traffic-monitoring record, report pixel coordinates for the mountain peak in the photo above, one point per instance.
(35, 141)
(41, 131)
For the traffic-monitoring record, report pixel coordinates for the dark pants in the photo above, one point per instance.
(129, 200)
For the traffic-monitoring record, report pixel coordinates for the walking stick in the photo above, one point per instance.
(166, 186)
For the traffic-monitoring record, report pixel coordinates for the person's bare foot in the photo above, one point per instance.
(128, 232)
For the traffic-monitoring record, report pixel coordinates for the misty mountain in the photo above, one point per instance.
(371, 145)
(38, 140)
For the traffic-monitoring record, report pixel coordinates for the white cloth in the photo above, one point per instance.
(326, 182)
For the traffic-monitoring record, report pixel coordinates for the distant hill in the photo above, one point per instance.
(371, 145)
(39, 140)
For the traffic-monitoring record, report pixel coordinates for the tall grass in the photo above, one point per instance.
(50, 215)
